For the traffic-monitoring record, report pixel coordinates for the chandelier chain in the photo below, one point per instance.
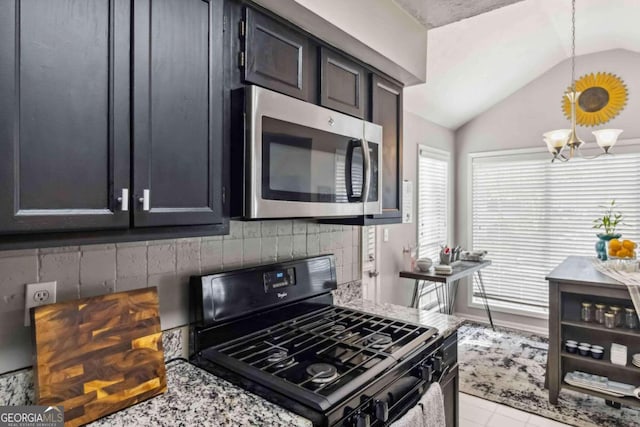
(573, 46)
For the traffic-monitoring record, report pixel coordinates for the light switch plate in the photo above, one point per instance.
(37, 294)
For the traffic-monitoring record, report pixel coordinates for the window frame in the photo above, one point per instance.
(442, 155)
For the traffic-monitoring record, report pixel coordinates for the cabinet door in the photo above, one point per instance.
(177, 112)
(276, 56)
(450, 389)
(386, 110)
(341, 83)
(64, 114)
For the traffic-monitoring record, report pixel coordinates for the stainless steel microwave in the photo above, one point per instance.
(301, 160)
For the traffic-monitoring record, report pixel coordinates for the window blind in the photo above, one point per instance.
(530, 214)
(433, 200)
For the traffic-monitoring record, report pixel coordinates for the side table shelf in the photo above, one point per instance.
(574, 281)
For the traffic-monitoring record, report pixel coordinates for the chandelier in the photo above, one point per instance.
(560, 141)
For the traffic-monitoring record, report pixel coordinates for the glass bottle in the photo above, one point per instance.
(601, 309)
(587, 313)
(619, 315)
(630, 318)
(609, 320)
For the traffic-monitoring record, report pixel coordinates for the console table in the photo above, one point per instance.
(573, 281)
(447, 285)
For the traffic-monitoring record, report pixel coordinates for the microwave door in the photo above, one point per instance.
(298, 159)
(373, 185)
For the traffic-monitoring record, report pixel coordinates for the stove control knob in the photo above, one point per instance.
(426, 372)
(437, 363)
(381, 410)
(362, 420)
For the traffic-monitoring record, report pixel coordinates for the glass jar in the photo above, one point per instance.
(587, 313)
(619, 314)
(609, 320)
(601, 309)
(630, 318)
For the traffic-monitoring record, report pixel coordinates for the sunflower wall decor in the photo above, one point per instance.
(603, 96)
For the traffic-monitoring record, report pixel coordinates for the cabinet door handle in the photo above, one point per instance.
(124, 200)
(145, 199)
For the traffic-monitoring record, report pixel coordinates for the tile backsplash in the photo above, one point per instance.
(83, 271)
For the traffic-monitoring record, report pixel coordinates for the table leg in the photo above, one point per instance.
(454, 295)
(415, 294)
(483, 293)
(440, 294)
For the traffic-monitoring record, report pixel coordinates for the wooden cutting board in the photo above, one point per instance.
(96, 356)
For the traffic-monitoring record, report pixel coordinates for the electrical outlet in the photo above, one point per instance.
(385, 234)
(36, 294)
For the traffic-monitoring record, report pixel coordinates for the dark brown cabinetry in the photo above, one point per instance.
(342, 83)
(275, 56)
(64, 116)
(74, 156)
(386, 110)
(450, 388)
(177, 113)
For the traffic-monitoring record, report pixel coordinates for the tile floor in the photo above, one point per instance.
(475, 412)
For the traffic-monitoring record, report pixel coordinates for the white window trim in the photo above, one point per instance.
(631, 145)
(443, 155)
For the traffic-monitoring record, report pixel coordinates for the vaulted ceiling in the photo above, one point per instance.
(474, 62)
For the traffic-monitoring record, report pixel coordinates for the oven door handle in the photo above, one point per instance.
(444, 373)
(353, 144)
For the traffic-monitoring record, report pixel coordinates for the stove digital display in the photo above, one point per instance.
(278, 279)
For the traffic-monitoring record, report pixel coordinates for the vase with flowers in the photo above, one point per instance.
(610, 219)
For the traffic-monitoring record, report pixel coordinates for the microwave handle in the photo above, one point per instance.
(367, 171)
(353, 144)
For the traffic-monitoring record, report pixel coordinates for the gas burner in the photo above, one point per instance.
(378, 341)
(340, 332)
(322, 373)
(280, 356)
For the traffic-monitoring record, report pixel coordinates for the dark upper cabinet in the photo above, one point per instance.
(101, 100)
(177, 112)
(342, 83)
(276, 56)
(386, 110)
(64, 114)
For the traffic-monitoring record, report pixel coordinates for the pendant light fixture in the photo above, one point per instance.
(560, 140)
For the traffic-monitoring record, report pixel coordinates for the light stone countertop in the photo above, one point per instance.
(444, 323)
(196, 397)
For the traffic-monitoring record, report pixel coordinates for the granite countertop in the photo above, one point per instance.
(445, 323)
(196, 397)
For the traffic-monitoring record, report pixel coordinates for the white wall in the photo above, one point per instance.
(520, 120)
(417, 131)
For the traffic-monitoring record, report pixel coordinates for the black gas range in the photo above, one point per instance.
(274, 330)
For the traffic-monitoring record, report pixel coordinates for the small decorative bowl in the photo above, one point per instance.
(424, 264)
(585, 344)
(597, 347)
(571, 348)
(571, 342)
(584, 351)
(597, 353)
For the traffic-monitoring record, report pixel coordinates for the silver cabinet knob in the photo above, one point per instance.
(124, 200)
(145, 200)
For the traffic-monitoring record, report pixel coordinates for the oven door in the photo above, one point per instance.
(302, 160)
